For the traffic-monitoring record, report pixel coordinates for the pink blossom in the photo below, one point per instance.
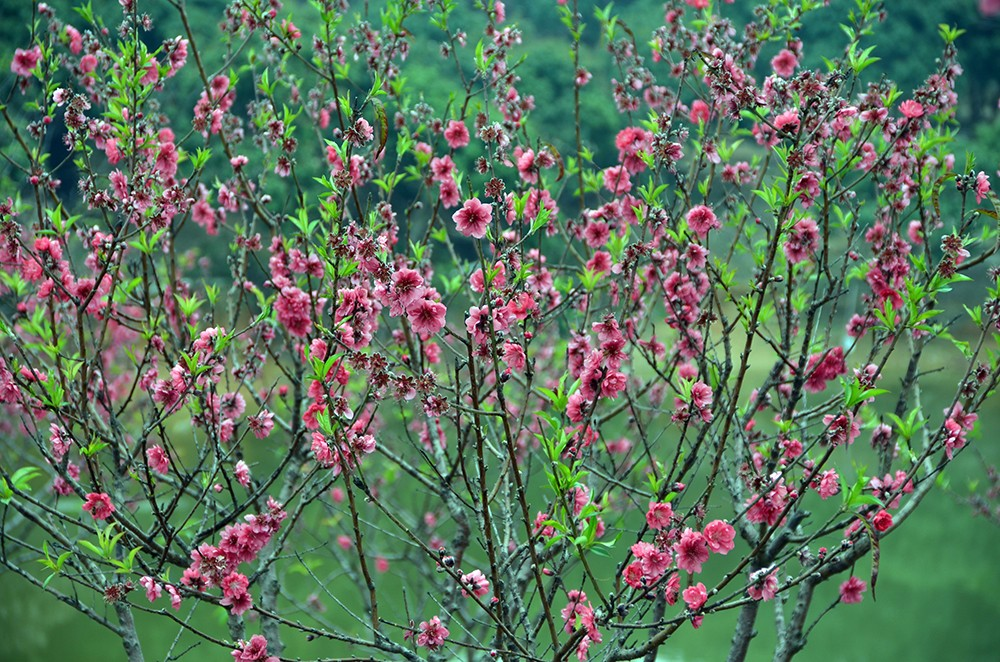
(154, 589)
(787, 121)
(432, 634)
(699, 111)
(476, 583)
(841, 429)
(691, 551)
(982, 186)
(99, 505)
(448, 193)
(851, 590)
(802, 241)
(456, 134)
(720, 536)
(473, 218)
(828, 484)
(784, 63)
(653, 561)
(25, 60)
(659, 515)
(631, 143)
(158, 460)
(882, 521)
(824, 367)
(616, 180)
(234, 593)
(254, 650)
(763, 584)
(242, 473)
(426, 317)
(701, 219)
(261, 424)
(911, 109)
(293, 308)
(695, 596)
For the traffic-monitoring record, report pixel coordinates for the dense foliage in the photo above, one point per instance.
(277, 318)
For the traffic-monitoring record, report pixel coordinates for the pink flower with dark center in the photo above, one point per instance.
(691, 551)
(475, 583)
(787, 121)
(802, 241)
(442, 168)
(261, 424)
(851, 590)
(99, 505)
(701, 219)
(473, 218)
(448, 193)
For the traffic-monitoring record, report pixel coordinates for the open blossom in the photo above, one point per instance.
(457, 134)
(699, 111)
(802, 240)
(432, 634)
(475, 583)
(691, 551)
(911, 109)
(659, 515)
(158, 460)
(261, 424)
(25, 60)
(784, 63)
(426, 317)
(99, 505)
(234, 593)
(851, 590)
(695, 596)
(616, 180)
(701, 219)
(293, 307)
(254, 650)
(473, 218)
(824, 367)
(763, 584)
(720, 536)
